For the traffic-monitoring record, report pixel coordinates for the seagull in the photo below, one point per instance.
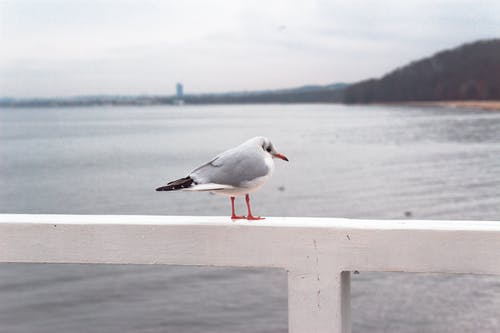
(236, 172)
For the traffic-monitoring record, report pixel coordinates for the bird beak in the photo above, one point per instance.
(281, 156)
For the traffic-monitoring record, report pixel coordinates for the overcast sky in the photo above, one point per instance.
(61, 48)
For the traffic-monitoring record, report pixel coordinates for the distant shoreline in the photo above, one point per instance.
(481, 105)
(493, 105)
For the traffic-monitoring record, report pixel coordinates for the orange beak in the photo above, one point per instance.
(281, 156)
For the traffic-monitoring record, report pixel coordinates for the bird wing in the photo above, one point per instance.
(233, 167)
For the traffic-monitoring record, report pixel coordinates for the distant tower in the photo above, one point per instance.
(179, 91)
(179, 94)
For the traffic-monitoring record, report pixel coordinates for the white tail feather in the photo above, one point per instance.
(209, 187)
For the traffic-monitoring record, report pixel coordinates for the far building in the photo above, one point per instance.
(179, 94)
(179, 90)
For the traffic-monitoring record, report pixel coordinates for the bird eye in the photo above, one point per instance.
(268, 149)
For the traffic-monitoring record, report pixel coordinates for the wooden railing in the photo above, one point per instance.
(317, 253)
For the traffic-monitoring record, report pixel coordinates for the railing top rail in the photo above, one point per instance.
(304, 222)
(317, 253)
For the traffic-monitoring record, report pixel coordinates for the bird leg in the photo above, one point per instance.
(250, 216)
(233, 215)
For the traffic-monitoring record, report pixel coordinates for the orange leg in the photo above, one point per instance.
(233, 215)
(250, 216)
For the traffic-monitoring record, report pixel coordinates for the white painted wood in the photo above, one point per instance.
(319, 302)
(318, 253)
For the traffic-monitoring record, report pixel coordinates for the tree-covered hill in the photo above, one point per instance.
(469, 72)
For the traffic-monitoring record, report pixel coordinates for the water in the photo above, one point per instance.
(357, 161)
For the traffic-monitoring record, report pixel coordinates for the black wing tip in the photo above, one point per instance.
(163, 188)
(178, 184)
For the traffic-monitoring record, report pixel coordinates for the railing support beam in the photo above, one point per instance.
(319, 303)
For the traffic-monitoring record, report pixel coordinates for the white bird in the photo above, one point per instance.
(238, 171)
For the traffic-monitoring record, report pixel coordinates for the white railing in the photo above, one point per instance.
(317, 253)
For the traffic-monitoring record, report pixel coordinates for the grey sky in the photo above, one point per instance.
(59, 48)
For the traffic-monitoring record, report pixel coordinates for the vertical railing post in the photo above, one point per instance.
(319, 302)
(345, 301)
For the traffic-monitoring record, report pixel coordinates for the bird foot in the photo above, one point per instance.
(252, 218)
(237, 217)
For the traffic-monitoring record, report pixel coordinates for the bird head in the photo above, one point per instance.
(268, 148)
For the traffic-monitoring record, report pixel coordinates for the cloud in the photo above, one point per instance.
(127, 47)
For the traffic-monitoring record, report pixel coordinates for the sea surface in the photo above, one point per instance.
(383, 162)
